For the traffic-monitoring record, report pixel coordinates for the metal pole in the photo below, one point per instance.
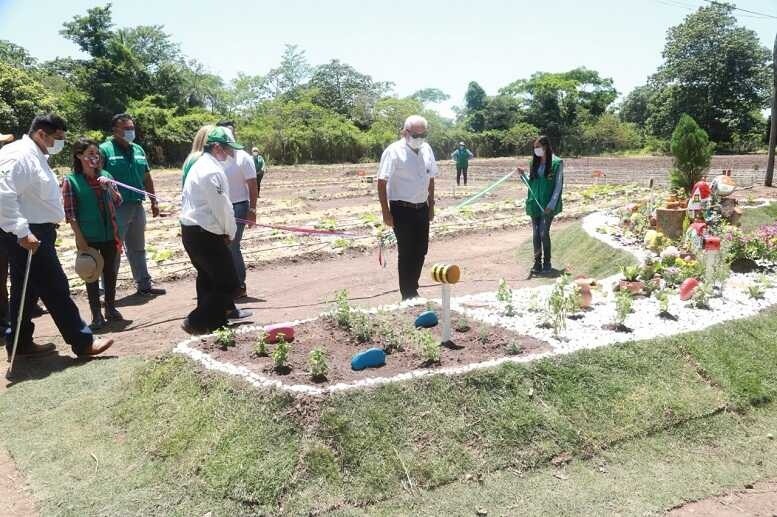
(446, 313)
(19, 316)
(773, 133)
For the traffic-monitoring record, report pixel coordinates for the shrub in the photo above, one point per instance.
(280, 355)
(260, 347)
(361, 327)
(692, 152)
(623, 304)
(428, 346)
(342, 309)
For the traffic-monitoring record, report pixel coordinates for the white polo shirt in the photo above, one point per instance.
(205, 200)
(406, 172)
(29, 189)
(241, 170)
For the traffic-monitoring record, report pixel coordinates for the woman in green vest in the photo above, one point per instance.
(90, 208)
(543, 199)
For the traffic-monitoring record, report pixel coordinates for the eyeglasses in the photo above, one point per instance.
(419, 135)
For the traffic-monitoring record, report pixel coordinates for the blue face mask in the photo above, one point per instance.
(129, 135)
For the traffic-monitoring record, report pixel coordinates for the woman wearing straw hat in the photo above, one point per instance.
(90, 208)
(543, 201)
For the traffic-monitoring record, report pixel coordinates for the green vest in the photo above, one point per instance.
(94, 224)
(187, 166)
(462, 157)
(543, 187)
(128, 167)
(259, 164)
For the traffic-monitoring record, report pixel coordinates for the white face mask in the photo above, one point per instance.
(58, 146)
(539, 151)
(228, 161)
(415, 143)
(129, 135)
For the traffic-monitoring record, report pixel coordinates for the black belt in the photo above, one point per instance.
(406, 204)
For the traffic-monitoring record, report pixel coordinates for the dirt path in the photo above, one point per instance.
(15, 498)
(759, 500)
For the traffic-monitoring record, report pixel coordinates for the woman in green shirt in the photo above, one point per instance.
(543, 199)
(90, 207)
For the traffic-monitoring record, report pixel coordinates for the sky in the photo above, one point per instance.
(417, 44)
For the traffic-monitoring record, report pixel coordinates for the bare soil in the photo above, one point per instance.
(756, 500)
(479, 343)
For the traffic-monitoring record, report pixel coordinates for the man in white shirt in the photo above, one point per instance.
(406, 192)
(241, 175)
(207, 227)
(30, 209)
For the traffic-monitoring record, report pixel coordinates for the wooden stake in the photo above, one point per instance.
(773, 133)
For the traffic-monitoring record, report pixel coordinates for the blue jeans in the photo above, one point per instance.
(48, 281)
(131, 220)
(241, 212)
(541, 239)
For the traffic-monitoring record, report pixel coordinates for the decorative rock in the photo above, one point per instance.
(272, 334)
(687, 288)
(426, 319)
(670, 222)
(371, 358)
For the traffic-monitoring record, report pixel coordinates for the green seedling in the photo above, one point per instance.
(225, 337)
(318, 364)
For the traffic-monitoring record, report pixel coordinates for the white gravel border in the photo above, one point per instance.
(584, 333)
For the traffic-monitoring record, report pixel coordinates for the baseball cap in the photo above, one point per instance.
(220, 135)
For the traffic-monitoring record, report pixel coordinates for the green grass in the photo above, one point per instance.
(752, 218)
(579, 253)
(160, 437)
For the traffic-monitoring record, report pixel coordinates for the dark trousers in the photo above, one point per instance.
(459, 172)
(110, 256)
(48, 281)
(3, 284)
(541, 239)
(411, 227)
(216, 277)
(259, 176)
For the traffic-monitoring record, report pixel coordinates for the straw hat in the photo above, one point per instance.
(89, 265)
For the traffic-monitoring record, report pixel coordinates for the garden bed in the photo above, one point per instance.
(478, 343)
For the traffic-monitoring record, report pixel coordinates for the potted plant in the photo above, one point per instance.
(631, 282)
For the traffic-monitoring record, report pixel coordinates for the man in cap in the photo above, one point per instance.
(207, 227)
(241, 175)
(260, 169)
(126, 162)
(30, 208)
(462, 155)
(406, 192)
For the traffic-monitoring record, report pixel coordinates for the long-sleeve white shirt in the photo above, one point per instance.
(205, 198)
(29, 190)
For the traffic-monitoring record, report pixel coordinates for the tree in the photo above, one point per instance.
(291, 74)
(150, 45)
(21, 98)
(91, 32)
(339, 87)
(692, 153)
(713, 70)
(430, 96)
(475, 97)
(635, 107)
(14, 55)
(559, 103)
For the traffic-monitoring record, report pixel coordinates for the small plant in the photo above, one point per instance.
(428, 346)
(391, 338)
(564, 299)
(341, 243)
(504, 295)
(630, 273)
(756, 291)
(361, 327)
(260, 347)
(484, 336)
(342, 309)
(280, 355)
(663, 301)
(461, 325)
(624, 301)
(225, 337)
(701, 296)
(514, 348)
(326, 223)
(318, 365)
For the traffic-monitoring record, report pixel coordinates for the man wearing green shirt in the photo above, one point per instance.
(260, 169)
(126, 162)
(462, 156)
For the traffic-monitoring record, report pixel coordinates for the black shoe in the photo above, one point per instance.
(238, 314)
(152, 291)
(411, 296)
(537, 268)
(98, 322)
(111, 314)
(547, 269)
(191, 330)
(37, 311)
(31, 350)
(239, 293)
